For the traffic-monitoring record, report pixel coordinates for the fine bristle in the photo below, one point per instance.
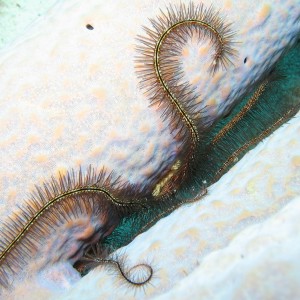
(272, 102)
(94, 194)
(161, 74)
(57, 212)
(138, 276)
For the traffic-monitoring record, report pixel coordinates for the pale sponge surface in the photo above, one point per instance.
(241, 240)
(69, 96)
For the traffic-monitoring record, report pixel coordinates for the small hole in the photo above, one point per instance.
(272, 71)
(245, 60)
(89, 27)
(226, 115)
